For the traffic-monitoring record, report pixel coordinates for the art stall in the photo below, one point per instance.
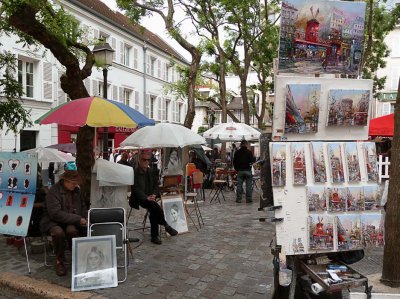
(327, 205)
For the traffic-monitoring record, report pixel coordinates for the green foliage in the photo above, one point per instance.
(201, 130)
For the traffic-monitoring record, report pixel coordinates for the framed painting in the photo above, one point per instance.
(335, 163)
(320, 232)
(352, 162)
(298, 163)
(336, 200)
(94, 263)
(354, 198)
(349, 232)
(372, 198)
(174, 212)
(318, 162)
(316, 198)
(302, 108)
(371, 163)
(278, 151)
(373, 230)
(172, 163)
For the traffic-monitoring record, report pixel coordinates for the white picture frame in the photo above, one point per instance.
(174, 212)
(94, 263)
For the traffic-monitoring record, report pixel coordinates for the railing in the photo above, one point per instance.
(383, 167)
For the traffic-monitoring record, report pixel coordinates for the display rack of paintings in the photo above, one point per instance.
(370, 161)
(278, 164)
(352, 162)
(349, 232)
(316, 198)
(299, 164)
(373, 230)
(335, 162)
(318, 162)
(320, 232)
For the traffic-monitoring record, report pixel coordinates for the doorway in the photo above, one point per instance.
(27, 140)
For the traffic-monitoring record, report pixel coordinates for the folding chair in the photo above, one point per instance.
(219, 183)
(110, 221)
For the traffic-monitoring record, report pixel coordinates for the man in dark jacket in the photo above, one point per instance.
(64, 215)
(242, 163)
(144, 193)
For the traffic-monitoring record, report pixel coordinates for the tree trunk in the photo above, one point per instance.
(391, 255)
(245, 102)
(194, 67)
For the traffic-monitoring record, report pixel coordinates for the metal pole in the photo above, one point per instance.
(105, 129)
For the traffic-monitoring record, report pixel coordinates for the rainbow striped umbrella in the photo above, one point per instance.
(95, 112)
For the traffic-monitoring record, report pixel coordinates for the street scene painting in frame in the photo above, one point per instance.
(336, 201)
(371, 163)
(298, 163)
(352, 162)
(348, 107)
(278, 164)
(94, 263)
(316, 198)
(349, 234)
(335, 162)
(318, 36)
(373, 230)
(354, 198)
(320, 232)
(174, 212)
(302, 108)
(372, 198)
(318, 162)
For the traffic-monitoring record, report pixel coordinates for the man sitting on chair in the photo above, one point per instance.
(64, 215)
(144, 194)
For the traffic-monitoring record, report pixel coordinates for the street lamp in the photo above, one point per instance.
(103, 55)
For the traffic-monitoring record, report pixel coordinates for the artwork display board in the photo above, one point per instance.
(320, 212)
(307, 108)
(18, 178)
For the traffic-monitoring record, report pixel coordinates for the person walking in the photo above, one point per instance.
(242, 163)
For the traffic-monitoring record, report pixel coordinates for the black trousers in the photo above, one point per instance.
(156, 215)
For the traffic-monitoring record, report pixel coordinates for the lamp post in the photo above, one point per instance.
(103, 55)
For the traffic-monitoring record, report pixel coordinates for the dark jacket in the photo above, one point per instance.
(62, 207)
(242, 159)
(144, 186)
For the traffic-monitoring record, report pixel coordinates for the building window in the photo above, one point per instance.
(180, 105)
(127, 97)
(25, 77)
(166, 111)
(152, 104)
(152, 66)
(127, 52)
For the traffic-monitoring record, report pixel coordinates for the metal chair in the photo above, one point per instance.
(111, 221)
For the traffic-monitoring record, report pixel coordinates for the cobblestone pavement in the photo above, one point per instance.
(228, 258)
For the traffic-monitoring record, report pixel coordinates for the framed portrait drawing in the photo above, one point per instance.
(94, 263)
(174, 212)
(172, 164)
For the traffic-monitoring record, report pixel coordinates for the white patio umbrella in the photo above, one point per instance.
(232, 132)
(47, 155)
(163, 135)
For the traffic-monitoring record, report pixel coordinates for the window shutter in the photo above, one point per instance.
(164, 109)
(95, 92)
(85, 38)
(136, 100)
(96, 34)
(135, 58)
(47, 81)
(114, 46)
(173, 75)
(121, 95)
(147, 105)
(159, 68)
(385, 109)
(121, 52)
(148, 64)
(115, 93)
(86, 82)
(159, 103)
(61, 96)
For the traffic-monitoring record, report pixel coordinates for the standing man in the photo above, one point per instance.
(242, 160)
(144, 193)
(64, 215)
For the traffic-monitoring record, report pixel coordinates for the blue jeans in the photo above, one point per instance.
(244, 175)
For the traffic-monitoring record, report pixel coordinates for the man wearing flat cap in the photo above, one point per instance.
(64, 215)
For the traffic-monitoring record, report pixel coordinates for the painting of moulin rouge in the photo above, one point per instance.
(320, 232)
(321, 36)
(348, 107)
(299, 164)
(302, 108)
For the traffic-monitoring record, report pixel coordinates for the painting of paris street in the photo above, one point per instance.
(372, 198)
(316, 198)
(335, 162)
(348, 107)
(371, 163)
(354, 198)
(278, 164)
(349, 232)
(352, 162)
(318, 162)
(319, 36)
(298, 163)
(336, 201)
(302, 108)
(373, 230)
(320, 232)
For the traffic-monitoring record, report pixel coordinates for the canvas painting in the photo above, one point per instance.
(372, 198)
(278, 164)
(94, 263)
(349, 232)
(174, 212)
(297, 245)
(320, 232)
(336, 200)
(298, 163)
(373, 230)
(316, 198)
(371, 163)
(354, 198)
(352, 162)
(302, 108)
(319, 36)
(335, 163)
(318, 162)
(348, 107)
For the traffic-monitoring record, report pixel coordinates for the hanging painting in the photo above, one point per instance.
(316, 198)
(370, 161)
(373, 230)
(348, 107)
(352, 162)
(335, 163)
(372, 198)
(321, 36)
(320, 232)
(336, 200)
(302, 108)
(354, 198)
(298, 163)
(318, 162)
(278, 164)
(348, 232)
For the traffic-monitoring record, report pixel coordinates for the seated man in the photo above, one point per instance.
(64, 215)
(144, 194)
